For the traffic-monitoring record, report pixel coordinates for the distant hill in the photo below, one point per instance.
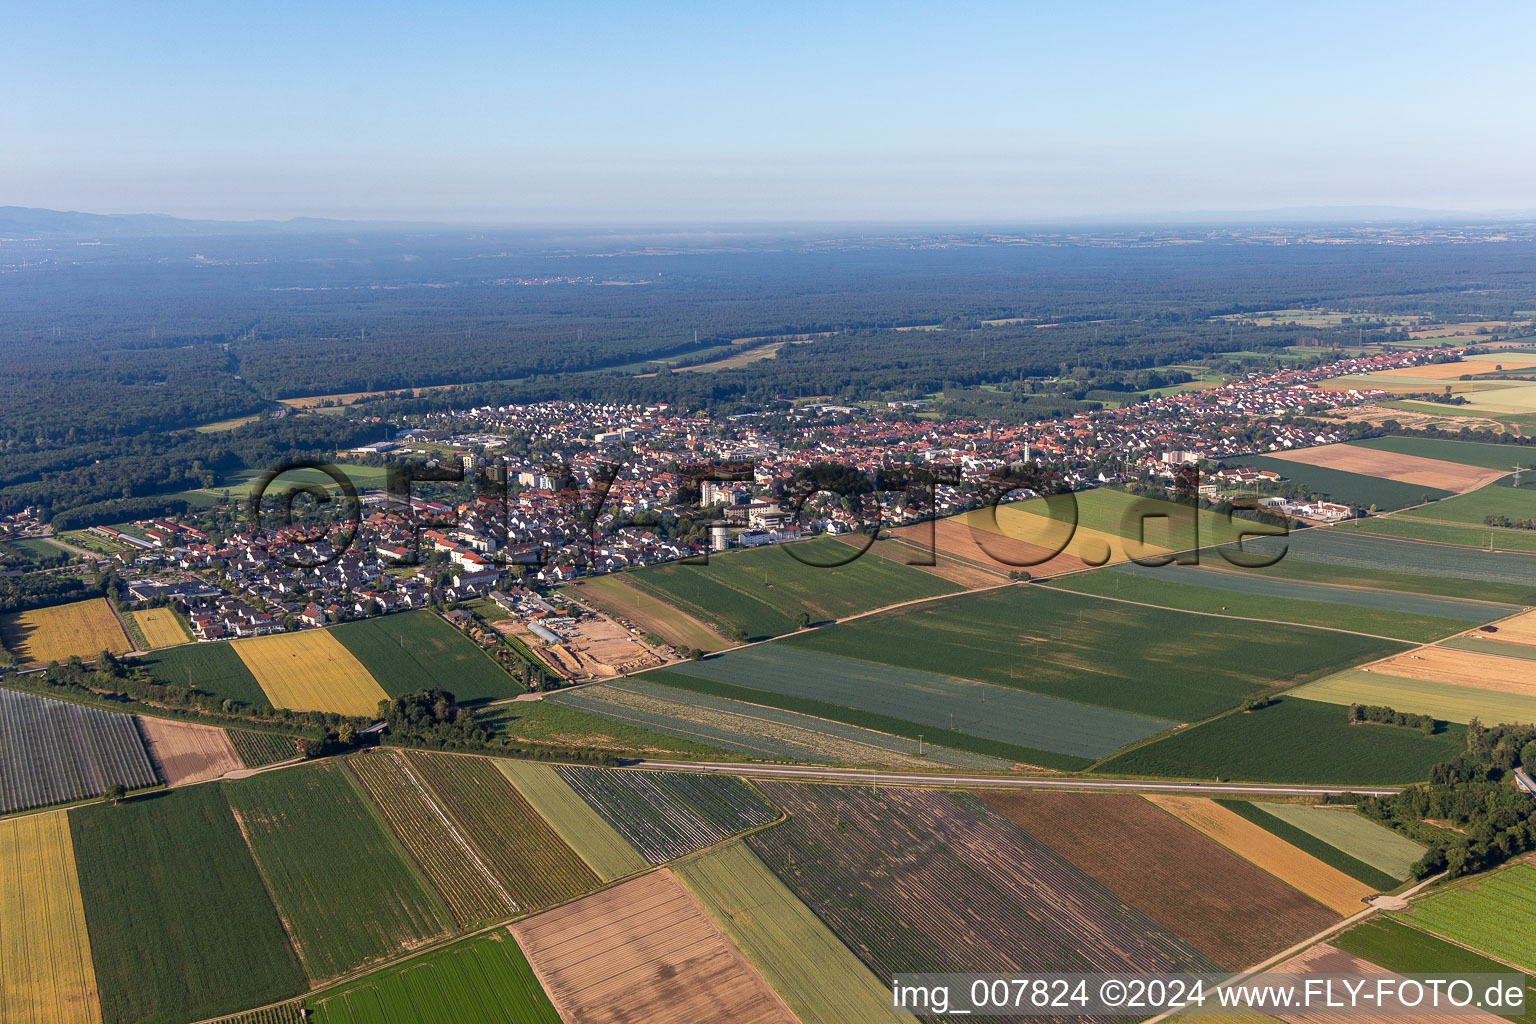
(27, 222)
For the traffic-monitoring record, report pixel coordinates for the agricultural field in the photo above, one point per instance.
(417, 650)
(1462, 668)
(56, 633)
(644, 951)
(667, 814)
(613, 594)
(345, 892)
(919, 880)
(760, 731)
(1420, 697)
(259, 749)
(180, 922)
(184, 752)
(1293, 740)
(161, 627)
(1324, 959)
(1398, 466)
(46, 974)
(1499, 576)
(451, 865)
(1490, 539)
(903, 551)
(527, 857)
(1388, 943)
(1114, 655)
(1347, 488)
(53, 752)
(210, 668)
(1203, 893)
(1327, 884)
(607, 853)
(1353, 834)
(1251, 595)
(1502, 457)
(817, 976)
(762, 591)
(1500, 498)
(486, 980)
(1494, 913)
(942, 707)
(1262, 815)
(310, 671)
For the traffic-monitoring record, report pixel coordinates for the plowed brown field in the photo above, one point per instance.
(1408, 469)
(184, 752)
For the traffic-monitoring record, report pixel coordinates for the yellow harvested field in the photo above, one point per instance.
(1519, 629)
(46, 974)
(1450, 371)
(42, 635)
(311, 671)
(1328, 885)
(1462, 668)
(1408, 469)
(645, 951)
(161, 627)
(1508, 399)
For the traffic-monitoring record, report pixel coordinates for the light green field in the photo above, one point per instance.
(1356, 835)
(1514, 399)
(583, 829)
(1495, 914)
(1420, 697)
(1457, 534)
(1474, 507)
(810, 968)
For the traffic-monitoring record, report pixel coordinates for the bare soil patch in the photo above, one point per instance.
(184, 752)
(1408, 469)
(1462, 668)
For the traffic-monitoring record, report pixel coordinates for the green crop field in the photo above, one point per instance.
(1346, 488)
(1445, 701)
(1309, 843)
(485, 980)
(1110, 654)
(1468, 453)
(813, 972)
(284, 1013)
(1500, 498)
(762, 591)
(942, 704)
(553, 723)
(259, 749)
(1500, 598)
(1292, 740)
(1254, 596)
(667, 814)
(1463, 535)
(1386, 942)
(1353, 834)
(211, 668)
(761, 731)
(1495, 913)
(1478, 645)
(1136, 517)
(343, 887)
(181, 925)
(417, 650)
(527, 857)
(1352, 545)
(606, 852)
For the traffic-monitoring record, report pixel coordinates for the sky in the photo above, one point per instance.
(608, 113)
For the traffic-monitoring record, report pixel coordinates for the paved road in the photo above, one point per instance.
(806, 771)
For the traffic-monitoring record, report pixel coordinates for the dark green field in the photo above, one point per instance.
(1468, 453)
(1167, 664)
(214, 668)
(181, 925)
(1347, 488)
(1331, 855)
(1500, 498)
(1387, 942)
(347, 893)
(417, 650)
(259, 749)
(1386, 579)
(761, 592)
(1293, 740)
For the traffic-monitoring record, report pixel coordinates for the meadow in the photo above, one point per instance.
(1233, 912)
(1500, 498)
(665, 815)
(606, 852)
(1345, 487)
(53, 752)
(486, 980)
(55, 633)
(452, 867)
(817, 976)
(211, 668)
(1495, 913)
(342, 886)
(552, 724)
(1445, 701)
(1281, 826)
(943, 705)
(417, 650)
(46, 973)
(526, 856)
(1114, 655)
(761, 592)
(310, 671)
(1353, 834)
(1292, 740)
(180, 922)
